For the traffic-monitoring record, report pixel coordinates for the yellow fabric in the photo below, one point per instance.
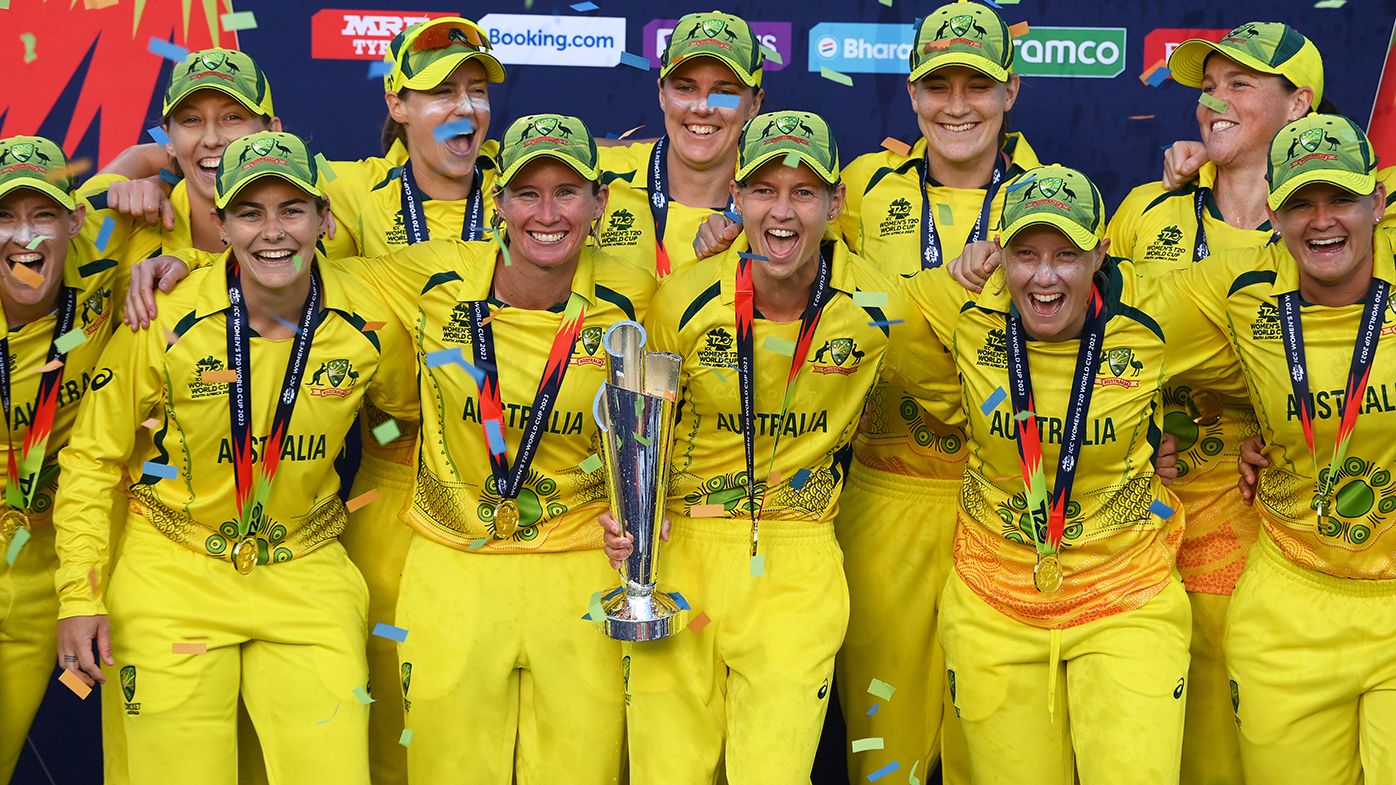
(153, 379)
(132, 239)
(497, 650)
(1116, 554)
(627, 228)
(376, 539)
(1238, 292)
(1116, 687)
(290, 639)
(694, 316)
(28, 620)
(893, 592)
(749, 690)
(1211, 747)
(1312, 678)
(427, 286)
(881, 222)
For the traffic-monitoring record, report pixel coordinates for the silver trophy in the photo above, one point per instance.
(636, 415)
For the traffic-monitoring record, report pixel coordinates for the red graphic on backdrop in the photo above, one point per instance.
(1382, 126)
(1161, 42)
(358, 34)
(119, 83)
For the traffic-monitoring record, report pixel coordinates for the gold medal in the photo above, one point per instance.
(245, 555)
(506, 518)
(1209, 407)
(1047, 575)
(12, 521)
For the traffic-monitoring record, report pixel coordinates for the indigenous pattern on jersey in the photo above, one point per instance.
(1116, 553)
(163, 416)
(881, 222)
(628, 228)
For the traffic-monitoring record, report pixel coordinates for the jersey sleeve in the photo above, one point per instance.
(662, 326)
(394, 387)
(1123, 229)
(850, 223)
(921, 358)
(1190, 306)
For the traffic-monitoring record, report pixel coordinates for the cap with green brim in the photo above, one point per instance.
(35, 162)
(266, 154)
(225, 70)
(1320, 148)
(714, 34)
(1267, 47)
(423, 55)
(966, 34)
(1057, 196)
(558, 136)
(780, 134)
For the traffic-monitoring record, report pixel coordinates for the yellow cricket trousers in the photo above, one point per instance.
(896, 533)
(502, 680)
(749, 690)
(28, 623)
(1115, 687)
(1313, 674)
(289, 638)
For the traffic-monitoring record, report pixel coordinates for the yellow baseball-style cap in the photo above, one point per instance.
(1057, 196)
(424, 54)
(724, 37)
(225, 70)
(36, 163)
(779, 134)
(962, 33)
(1320, 148)
(562, 137)
(265, 154)
(1267, 47)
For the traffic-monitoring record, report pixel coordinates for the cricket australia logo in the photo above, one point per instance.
(898, 220)
(94, 310)
(334, 378)
(1048, 188)
(128, 689)
(544, 127)
(1307, 146)
(786, 126)
(588, 341)
(717, 351)
(263, 149)
(959, 27)
(842, 352)
(17, 156)
(711, 29)
(1119, 369)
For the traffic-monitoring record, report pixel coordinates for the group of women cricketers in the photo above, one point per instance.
(927, 407)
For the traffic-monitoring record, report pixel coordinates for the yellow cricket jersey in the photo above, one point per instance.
(162, 384)
(881, 221)
(628, 228)
(429, 287)
(1116, 554)
(1238, 291)
(694, 316)
(131, 240)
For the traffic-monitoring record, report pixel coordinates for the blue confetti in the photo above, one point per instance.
(104, 235)
(158, 134)
(390, 632)
(874, 709)
(292, 326)
(442, 357)
(992, 402)
(1160, 509)
(458, 128)
(167, 49)
(886, 322)
(884, 771)
(634, 61)
(798, 481)
(733, 216)
(162, 470)
(681, 601)
(583, 7)
(1021, 182)
(379, 69)
(724, 101)
(1159, 76)
(753, 257)
(495, 435)
(170, 177)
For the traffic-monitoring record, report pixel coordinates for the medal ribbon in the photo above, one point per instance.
(745, 305)
(508, 480)
(659, 204)
(254, 487)
(1200, 250)
(1029, 437)
(931, 253)
(414, 220)
(24, 472)
(1359, 371)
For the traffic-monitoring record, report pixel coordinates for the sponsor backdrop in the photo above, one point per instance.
(81, 72)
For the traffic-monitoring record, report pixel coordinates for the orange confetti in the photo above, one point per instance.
(707, 511)
(631, 131)
(189, 648)
(72, 682)
(218, 377)
(51, 365)
(1148, 72)
(27, 276)
(697, 623)
(776, 477)
(74, 169)
(1142, 117)
(171, 338)
(93, 5)
(896, 145)
(371, 326)
(1019, 30)
(362, 500)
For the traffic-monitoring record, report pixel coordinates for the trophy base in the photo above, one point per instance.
(620, 623)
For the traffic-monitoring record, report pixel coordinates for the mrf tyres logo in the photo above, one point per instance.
(1093, 52)
(359, 34)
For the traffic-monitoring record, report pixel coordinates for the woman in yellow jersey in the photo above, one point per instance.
(1311, 622)
(781, 344)
(231, 581)
(709, 85)
(56, 304)
(1064, 630)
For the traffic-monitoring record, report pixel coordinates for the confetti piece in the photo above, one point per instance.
(323, 164)
(459, 128)
(152, 423)
(594, 610)
(495, 434)
(442, 357)
(870, 299)
(634, 61)
(104, 234)
(779, 346)
(733, 216)
(93, 583)
(296, 262)
(835, 76)
(881, 689)
(189, 648)
(992, 402)
(363, 696)
(158, 134)
(753, 257)
(161, 470)
(371, 326)
(51, 365)
(333, 714)
(70, 340)
(406, 738)
(27, 276)
(29, 42)
(944, 215)
(874, 709)
(707, 511)
(218, 377)
(1160, 509)
(884, 771)
(887, 323)
(697, 623)
(17, 541)
(362, 500)
(379, 69)
(73, 169)
(681, 601)
(1215, 104)
(1023, 415)
(584, 7)
(772, 55)
(1158, 77)
(911, 778)
(642, 439)
(871, 743)
(798, 481)
(476, 545)
(775, 477)
(386, 431)
(239, 20)
(390, 632)
(758, 566)
(895, 145)
(170, 337)
(1142, 116)
(791, 160)
(1330, 3)
(166, 49)
(36, 242)
(1019, 30)
(72, 682)
(97, 5)
(591, 464)
(631, 131)
(168, 176)
(1021, 182)
(724, 101)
